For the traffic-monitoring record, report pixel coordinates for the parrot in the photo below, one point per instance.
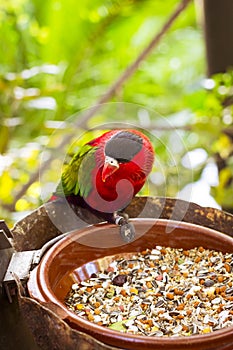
(106, 173)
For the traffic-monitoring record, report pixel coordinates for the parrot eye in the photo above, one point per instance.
(111, 161)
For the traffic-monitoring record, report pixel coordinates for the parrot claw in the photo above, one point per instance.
(120, 218)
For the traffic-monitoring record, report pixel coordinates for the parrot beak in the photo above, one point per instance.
(110, 166)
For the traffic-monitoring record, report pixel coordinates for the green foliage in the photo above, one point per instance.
(58, 57)
(213, 122)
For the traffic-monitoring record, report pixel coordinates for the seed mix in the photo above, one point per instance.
(159, 292)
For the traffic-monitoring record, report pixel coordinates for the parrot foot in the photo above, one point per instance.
(127, 230)
(121, 218)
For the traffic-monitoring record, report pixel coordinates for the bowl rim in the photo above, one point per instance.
(46, 294)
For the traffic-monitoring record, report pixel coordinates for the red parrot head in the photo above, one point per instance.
(124, 151)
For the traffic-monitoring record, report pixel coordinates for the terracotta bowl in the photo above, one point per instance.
(86, 251)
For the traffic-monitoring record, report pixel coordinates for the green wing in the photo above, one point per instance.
(76, 177)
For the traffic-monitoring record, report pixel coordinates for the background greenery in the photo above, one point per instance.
(58, 57)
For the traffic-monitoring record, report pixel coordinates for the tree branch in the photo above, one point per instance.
(135, 64)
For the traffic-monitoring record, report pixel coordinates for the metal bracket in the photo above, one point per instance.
(11, 262)
(21, 264)
(6, 250)
(18, 264)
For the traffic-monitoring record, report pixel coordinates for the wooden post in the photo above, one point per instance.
(218, 24)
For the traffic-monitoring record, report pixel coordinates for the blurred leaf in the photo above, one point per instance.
(223, 146)
(4, 139)
(6, 187)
